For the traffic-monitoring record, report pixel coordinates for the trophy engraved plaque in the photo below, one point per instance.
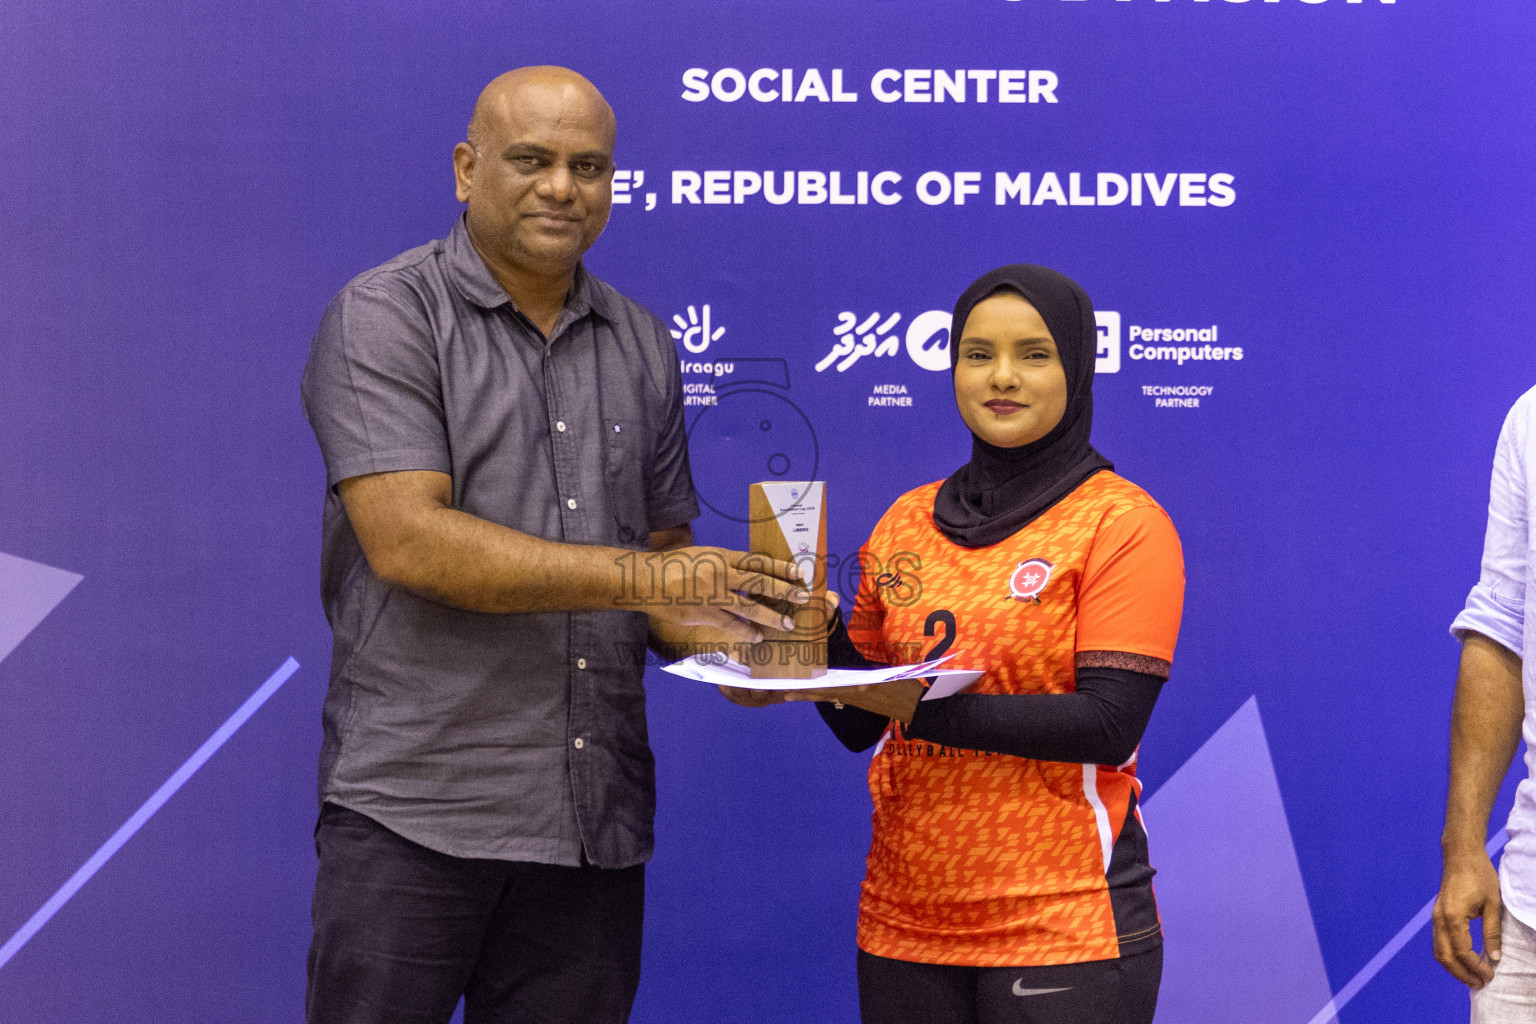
(789, 522)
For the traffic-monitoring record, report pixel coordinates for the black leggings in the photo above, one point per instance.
(1122, 991)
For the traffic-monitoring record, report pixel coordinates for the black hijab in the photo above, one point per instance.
(1002, 490)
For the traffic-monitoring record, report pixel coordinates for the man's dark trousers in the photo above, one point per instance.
(401, 932)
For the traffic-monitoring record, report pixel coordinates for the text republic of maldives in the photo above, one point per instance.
(938, 188)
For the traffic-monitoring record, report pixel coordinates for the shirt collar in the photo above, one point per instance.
(477, 284)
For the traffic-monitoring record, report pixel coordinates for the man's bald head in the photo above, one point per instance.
(536, 173)
(503, 98)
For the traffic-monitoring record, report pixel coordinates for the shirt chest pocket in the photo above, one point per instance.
(627, 454)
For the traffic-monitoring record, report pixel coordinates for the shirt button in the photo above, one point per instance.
(570, 503)
(560, 426)
(581, 663)
(579, 743)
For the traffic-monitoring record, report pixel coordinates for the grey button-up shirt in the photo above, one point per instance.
(517, 737)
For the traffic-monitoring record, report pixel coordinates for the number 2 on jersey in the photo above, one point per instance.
(947, 618)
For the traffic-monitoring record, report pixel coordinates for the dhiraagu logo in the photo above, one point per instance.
(695, 332)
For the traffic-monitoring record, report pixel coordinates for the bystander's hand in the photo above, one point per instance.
(1468, 889)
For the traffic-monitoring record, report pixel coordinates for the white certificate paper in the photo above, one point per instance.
(720, 670)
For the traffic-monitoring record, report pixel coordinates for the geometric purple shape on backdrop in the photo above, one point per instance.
(1241, 942)
(28, 592)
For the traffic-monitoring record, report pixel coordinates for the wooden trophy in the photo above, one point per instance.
(789, 522)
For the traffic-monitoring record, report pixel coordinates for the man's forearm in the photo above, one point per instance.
(672, 640)
(467, 562)
(414, 539)
(1485, 732)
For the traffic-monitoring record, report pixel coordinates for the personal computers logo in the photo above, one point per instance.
(1108, 323)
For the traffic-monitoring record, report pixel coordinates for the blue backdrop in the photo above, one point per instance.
(186, 185)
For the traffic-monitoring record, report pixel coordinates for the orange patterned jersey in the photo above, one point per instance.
(989, 860)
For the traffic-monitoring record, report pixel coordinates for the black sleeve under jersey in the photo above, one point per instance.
(856, 728)
(1101, 723)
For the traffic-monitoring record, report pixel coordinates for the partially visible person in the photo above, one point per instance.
(1495, 699)
(1008, 879)
(505, 451)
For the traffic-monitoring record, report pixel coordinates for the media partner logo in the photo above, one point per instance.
(927, 340)
(695, 333)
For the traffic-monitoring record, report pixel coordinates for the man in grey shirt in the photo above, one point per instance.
(507, 473)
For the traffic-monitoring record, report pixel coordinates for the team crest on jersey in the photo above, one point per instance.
(1028, 580)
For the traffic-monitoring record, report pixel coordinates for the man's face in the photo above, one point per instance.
(539, 184)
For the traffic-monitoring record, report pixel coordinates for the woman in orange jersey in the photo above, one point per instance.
(1008, 878)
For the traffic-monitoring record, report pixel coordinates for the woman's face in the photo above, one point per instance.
(1010, 385)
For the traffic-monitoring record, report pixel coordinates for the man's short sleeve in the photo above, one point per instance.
(372, 389)
(1131, 598)
(671, 500)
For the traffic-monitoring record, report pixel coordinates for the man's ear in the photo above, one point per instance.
(464, 157)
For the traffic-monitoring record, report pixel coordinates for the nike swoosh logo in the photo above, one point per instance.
(1020, 990)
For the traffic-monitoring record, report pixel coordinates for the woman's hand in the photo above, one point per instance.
(750, 698)
(897, 699)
